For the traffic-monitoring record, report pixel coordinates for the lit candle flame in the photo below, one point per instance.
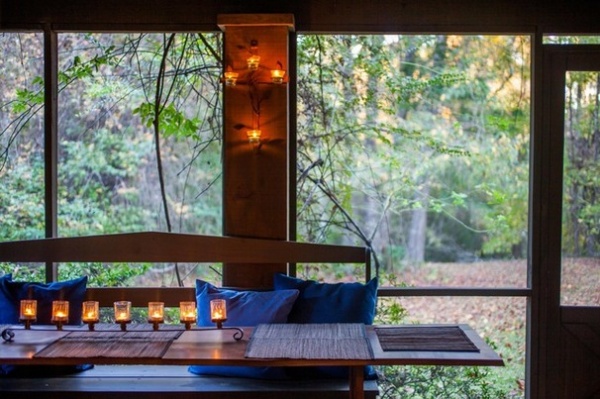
(28, 309)
(156, 316)
(218, 311)
(187, 312)
(253, 62)
(90, 311)
(277, 75)
(231, 78)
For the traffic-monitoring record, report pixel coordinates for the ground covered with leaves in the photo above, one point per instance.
(501, 321)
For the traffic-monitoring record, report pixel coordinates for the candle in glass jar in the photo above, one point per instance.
(156, 312)
(277, 75)
(231, 78)
(122, 311)
(28, 310)
(253, 62)
(218, 311)
(60, 312)
(187, 313)
(90, 312)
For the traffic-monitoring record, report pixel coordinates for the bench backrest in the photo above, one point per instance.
(173, 247)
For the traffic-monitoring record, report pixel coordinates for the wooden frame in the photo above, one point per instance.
(561, 367)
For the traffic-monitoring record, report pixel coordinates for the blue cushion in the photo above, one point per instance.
(11, 293)
(330, 303)
(244, 309)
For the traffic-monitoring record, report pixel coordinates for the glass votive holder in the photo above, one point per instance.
(90, 313)
(60, 313)
(277, 75)
(218, 312)
(122, 313)
(231, 78)
(187, 313)
(253, 136)
(28, 312)
(156, 313)
(253, 62)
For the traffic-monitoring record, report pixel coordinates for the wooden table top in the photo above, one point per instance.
(217, 347)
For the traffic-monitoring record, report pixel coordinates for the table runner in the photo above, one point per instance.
(90, 344)
(415, 338)
(309, 341)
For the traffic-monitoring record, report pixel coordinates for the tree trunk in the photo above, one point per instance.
(415, 248)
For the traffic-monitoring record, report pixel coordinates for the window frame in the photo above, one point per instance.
(537, 203)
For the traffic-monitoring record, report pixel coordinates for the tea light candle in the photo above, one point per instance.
(253, 62)
(218, 312)
(187, 313)
(231, 78)
(28, 312)
(122, 313)
(60, 313)
(277, 75)
(90, 313)
(156, 311)
(254, 136)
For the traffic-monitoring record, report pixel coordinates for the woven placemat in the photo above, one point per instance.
(415, 338)
(309, 341)
(130, 344)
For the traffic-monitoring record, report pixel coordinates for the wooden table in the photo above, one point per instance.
(217, 347)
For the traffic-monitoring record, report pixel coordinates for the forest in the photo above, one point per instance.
(415, 146)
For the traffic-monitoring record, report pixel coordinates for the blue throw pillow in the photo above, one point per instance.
(244, 309)
(330, 303)
(11, 293)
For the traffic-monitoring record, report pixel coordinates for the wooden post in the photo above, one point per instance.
(357, 382)
(255, 184)
(51, 141)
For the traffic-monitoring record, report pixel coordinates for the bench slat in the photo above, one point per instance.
(171, 381)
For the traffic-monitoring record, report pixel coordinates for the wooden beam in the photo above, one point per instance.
(249, 20)
(50, 141)
(255, 174)
(452, 291)
(356, 16)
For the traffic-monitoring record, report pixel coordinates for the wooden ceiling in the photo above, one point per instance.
(419, 16)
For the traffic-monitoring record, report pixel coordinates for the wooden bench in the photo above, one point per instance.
(171, 381)
(150, 381)
(176, 381)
